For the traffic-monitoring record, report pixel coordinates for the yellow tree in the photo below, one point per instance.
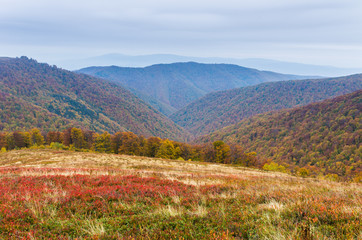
(103, 143)
(222, 152)
(166, 150)
(36, 137)
(77, 138)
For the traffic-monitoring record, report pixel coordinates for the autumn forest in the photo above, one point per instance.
(270, 156)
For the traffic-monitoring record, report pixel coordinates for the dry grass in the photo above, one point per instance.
(196, 174)
(93, 228)
(169, 211)
(170, 169)
(219, 194)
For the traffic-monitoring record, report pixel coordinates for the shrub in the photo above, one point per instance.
(57, 146)
(275, 167)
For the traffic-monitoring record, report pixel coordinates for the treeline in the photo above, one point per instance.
(130, 144)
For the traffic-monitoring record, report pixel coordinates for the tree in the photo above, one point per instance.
(22, 139)
(10, 142)
(152, 146)
(222, 152)
(53, 137)
(77, 138)
(131, 144)
(237, 155)
(67, 138)
(273, 166)
(207, 153)
(128, 143)
(89, 138)
(167, 150)
(103, 143)
(303, 172)
(36, 137)
(2, 140)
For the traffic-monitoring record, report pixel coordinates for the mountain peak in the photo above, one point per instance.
(177, 84)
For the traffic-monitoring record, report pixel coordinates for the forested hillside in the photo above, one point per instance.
(178, 84)
(221, 109)
(49, 98)
(324, 137)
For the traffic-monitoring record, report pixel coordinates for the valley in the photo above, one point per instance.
(173, 86)
(187, 120)
(85, 158)
(220, 109)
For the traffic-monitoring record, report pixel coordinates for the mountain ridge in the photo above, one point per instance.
(178, 84)
(90, 102)
(223, 108)
(280, 66)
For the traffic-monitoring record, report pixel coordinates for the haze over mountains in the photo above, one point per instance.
(49, 98)
(220, 109)
(258, 63)
(169, 87)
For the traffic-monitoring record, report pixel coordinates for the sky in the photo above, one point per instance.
(324, 32)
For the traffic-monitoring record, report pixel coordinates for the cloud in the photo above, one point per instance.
(192, 26)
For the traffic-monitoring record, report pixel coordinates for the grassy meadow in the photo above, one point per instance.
(52, 194)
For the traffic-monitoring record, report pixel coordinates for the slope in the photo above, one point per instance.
(325, 137)
(220, 109)
(19, 114)
(178, 84)
(65, 98)
(52, 194)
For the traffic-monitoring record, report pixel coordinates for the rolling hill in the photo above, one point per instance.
(324, 137)
(178, 84)
(49, 98)
(220, 109)
(53, 194)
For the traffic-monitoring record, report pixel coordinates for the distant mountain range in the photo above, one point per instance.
(169, 87)
(224, 108)
(38, 95)
(258, 63)
(325, 137)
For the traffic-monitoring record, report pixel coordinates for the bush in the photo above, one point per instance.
(57, 146)
(275, 167)
(303, 172)
(332, 177)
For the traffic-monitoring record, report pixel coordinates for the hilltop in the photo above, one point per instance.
(220, 109)
(33, 94)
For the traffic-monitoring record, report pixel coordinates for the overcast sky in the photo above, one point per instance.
(327, 32)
